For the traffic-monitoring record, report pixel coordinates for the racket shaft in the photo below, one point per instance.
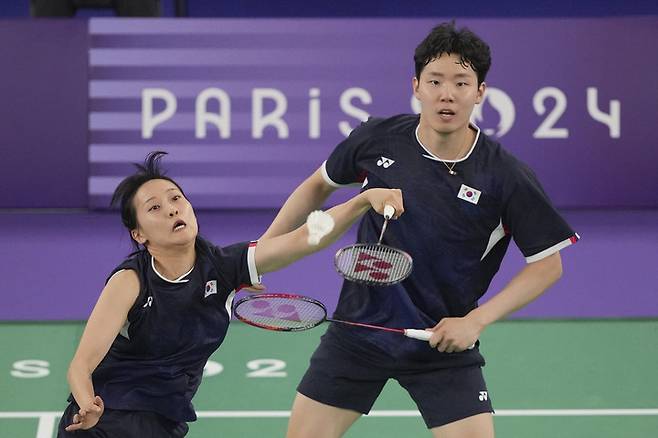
(370, 326)
(389, 212)
(381, 236)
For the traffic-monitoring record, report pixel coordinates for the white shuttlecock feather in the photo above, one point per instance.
(319, 225)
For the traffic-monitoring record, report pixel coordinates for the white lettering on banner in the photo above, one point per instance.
(611, 120)
(346, 106)
(502, 103)
(30, 369)
(314, 113)
(415, 105)
(259, 121)
(150, 120)
(222, 120)
(546, 129)
(495, 98)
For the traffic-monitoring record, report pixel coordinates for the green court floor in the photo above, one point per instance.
(546, 378)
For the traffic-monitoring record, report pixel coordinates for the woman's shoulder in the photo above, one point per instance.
(136, 261)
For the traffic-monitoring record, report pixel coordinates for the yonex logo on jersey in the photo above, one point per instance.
(211, 288)
(469, 194)
(385, 162)
(483, 396)
(148, 303)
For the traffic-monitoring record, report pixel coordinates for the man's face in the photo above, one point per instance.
(447, 91)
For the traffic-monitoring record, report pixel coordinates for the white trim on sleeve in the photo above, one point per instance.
(251, 263)
(229, 303)
(553, 249)
(330, 181)
(326, 177)
(120, 270)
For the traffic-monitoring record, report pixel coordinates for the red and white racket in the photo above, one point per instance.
(290, 313)
(374, 264)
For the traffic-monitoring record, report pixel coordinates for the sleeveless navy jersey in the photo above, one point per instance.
(456, 227)
(156, 361)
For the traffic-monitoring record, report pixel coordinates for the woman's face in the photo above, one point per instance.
(164, 216)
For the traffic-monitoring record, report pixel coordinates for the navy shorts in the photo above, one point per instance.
(341, 378)
(124, 424)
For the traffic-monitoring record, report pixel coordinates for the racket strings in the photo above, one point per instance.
(284, 313)
(373, 264)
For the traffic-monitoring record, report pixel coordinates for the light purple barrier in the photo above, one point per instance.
(53, 265)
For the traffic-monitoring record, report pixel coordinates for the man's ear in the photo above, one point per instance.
(481, 89)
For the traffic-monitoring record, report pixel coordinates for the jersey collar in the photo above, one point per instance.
(180, 279)
(431, 156)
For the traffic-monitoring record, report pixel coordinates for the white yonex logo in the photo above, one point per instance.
(211, 288)
(385, 162)
(483, 396)
(148, 303)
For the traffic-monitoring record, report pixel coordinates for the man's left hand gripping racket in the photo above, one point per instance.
(290, 313)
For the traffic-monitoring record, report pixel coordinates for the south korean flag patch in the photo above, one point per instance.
(469, 194)
(211, 288)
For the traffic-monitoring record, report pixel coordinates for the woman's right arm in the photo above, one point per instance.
(104, 323)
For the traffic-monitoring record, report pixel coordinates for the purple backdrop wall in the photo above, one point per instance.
(43, 113)
(568, 104)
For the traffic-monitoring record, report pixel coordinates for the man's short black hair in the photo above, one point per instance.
(447, 39)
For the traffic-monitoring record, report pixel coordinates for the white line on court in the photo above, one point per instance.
(390, 413)
(47, 419)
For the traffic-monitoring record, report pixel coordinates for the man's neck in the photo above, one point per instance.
(452, 146)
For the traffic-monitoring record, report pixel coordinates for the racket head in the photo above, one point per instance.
(373, 264)
(280, 311)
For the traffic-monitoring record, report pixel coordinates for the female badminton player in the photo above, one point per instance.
(166, 308)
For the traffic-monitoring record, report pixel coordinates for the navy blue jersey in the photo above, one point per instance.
(456, 227)
(156, 361)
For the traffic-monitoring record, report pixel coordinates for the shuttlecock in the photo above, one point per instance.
(319, 225)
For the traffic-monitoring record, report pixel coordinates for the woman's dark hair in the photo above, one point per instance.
(125, 192)
(446, 38)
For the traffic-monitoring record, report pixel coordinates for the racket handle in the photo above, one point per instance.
(421, 335)
(424, 335)
(389, 211)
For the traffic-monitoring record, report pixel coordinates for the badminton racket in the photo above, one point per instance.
(291, 313)
(374, 264)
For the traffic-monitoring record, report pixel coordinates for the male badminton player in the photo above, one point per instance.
(166, 309)
(465, 198)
